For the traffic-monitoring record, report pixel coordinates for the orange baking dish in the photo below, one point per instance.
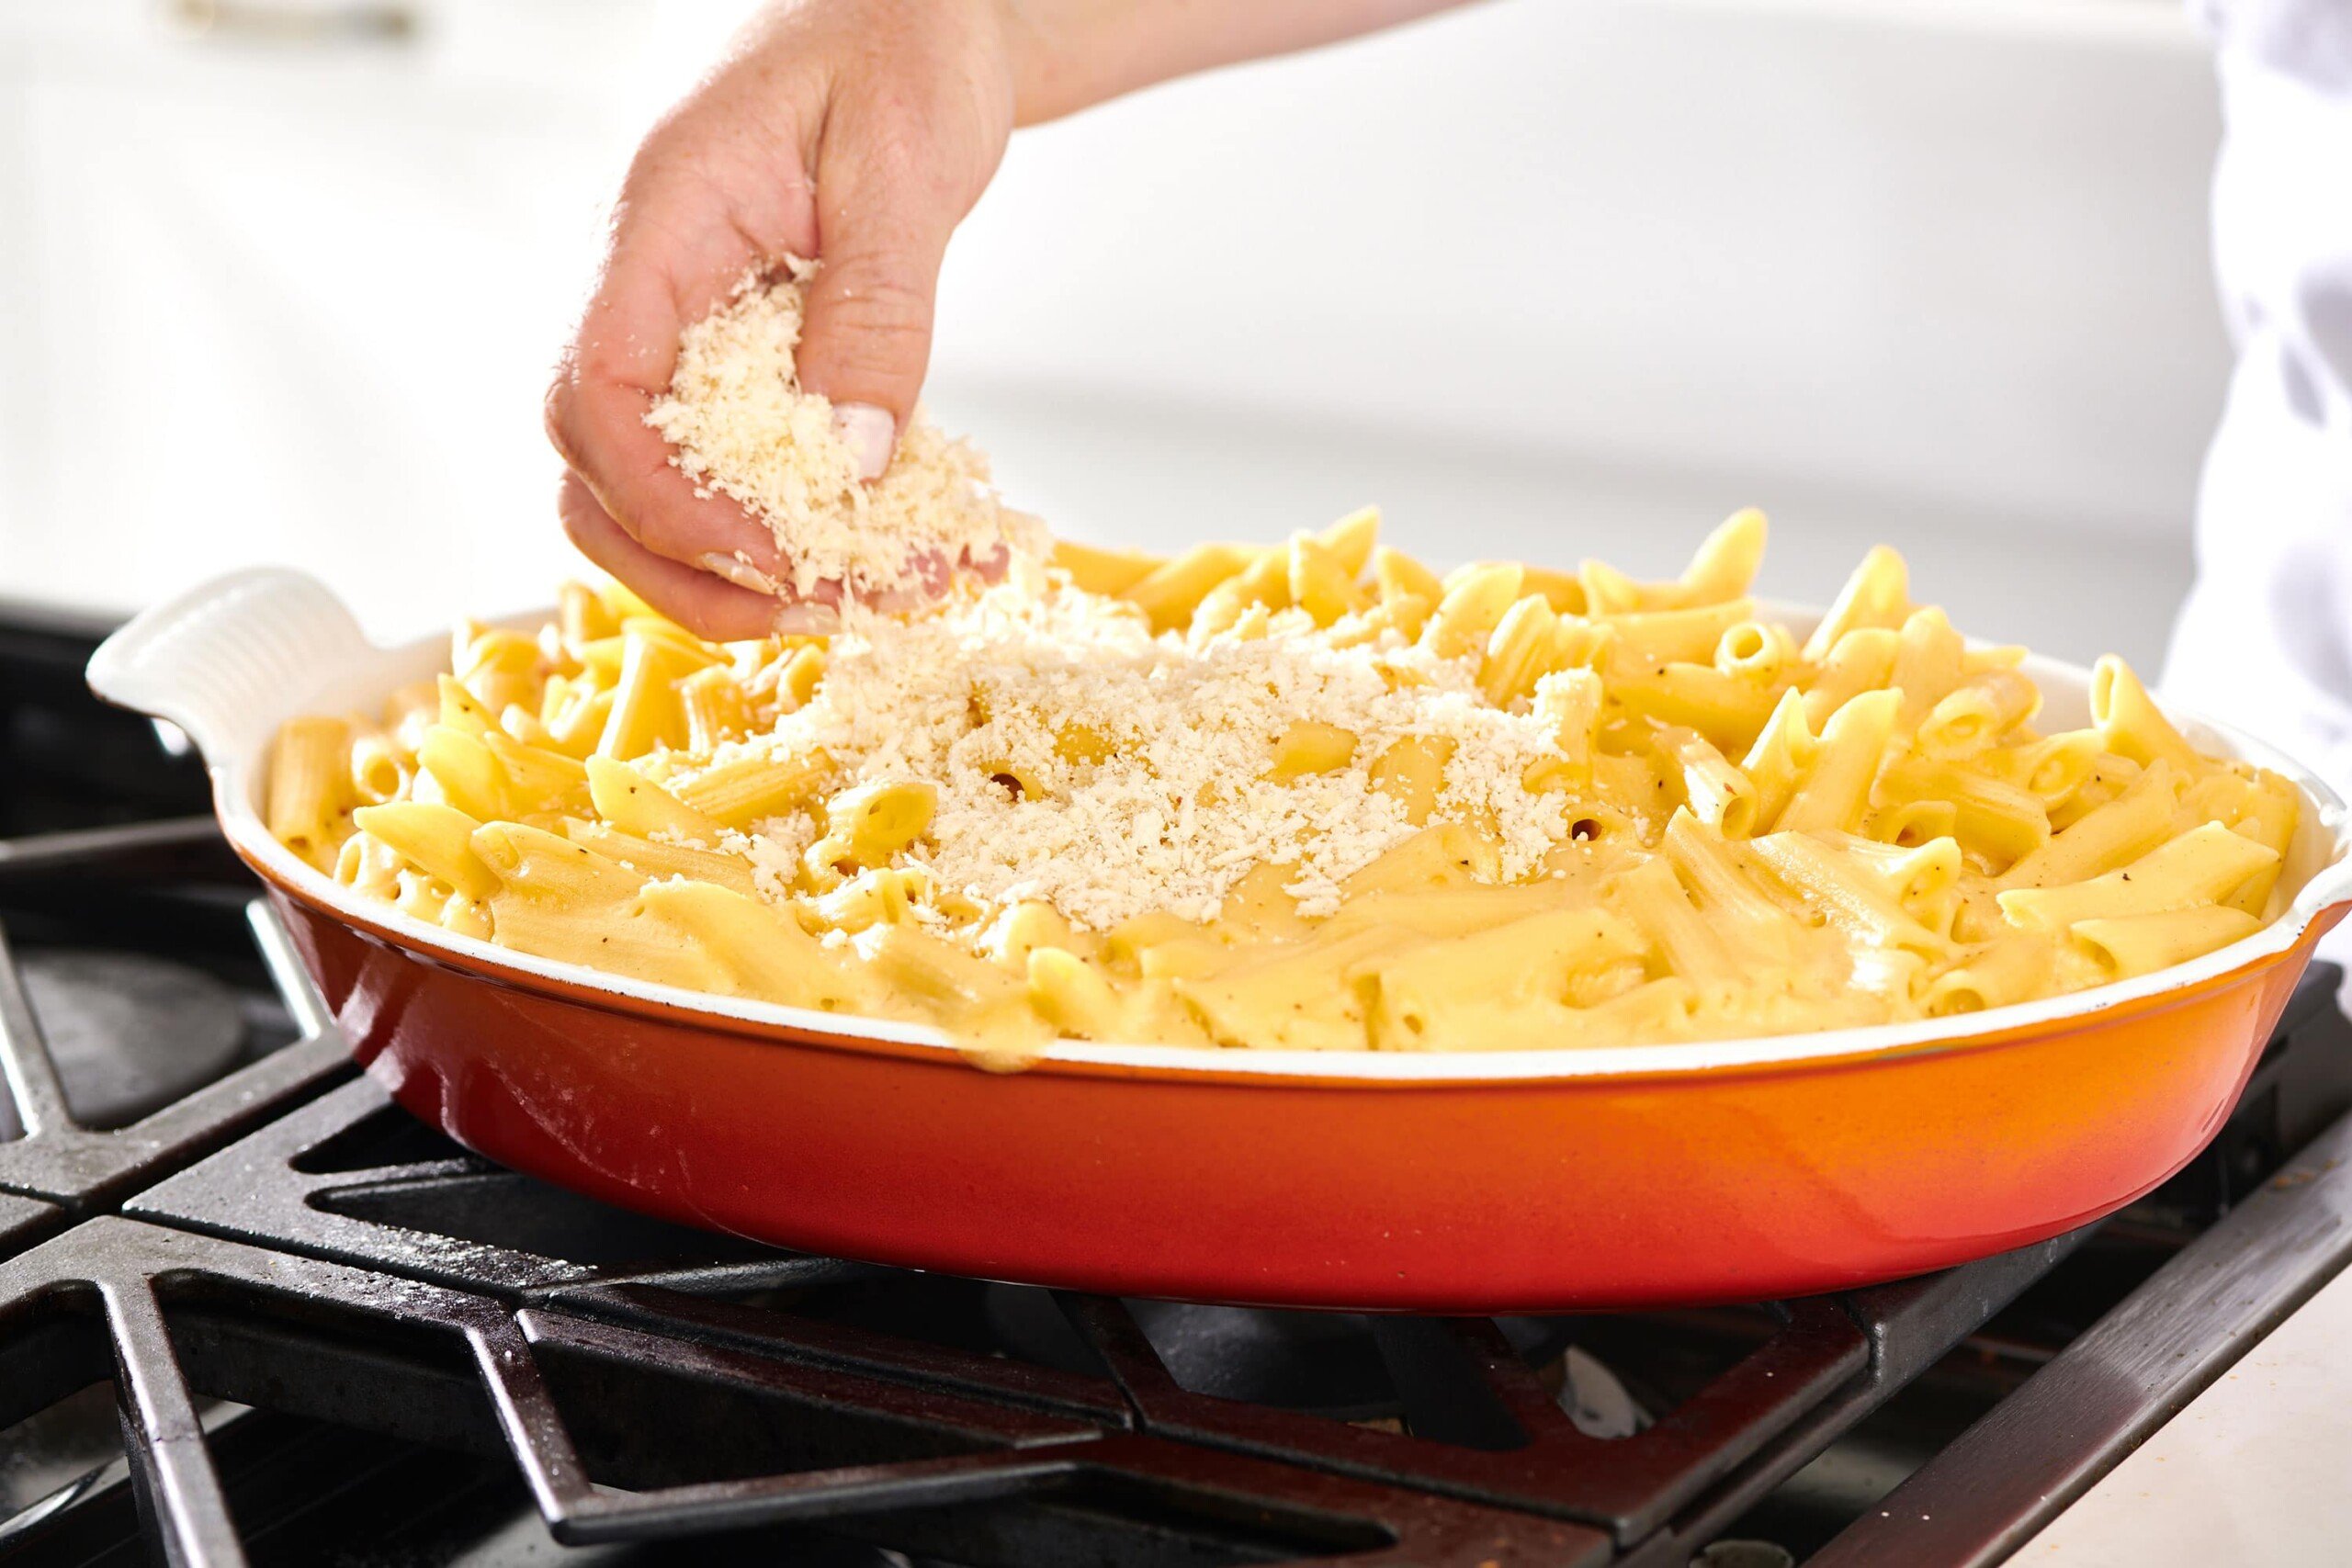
(1510, 1181)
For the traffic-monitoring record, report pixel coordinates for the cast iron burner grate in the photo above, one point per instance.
(329, 1335)
(137, 1029)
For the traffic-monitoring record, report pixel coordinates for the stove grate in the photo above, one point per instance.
(187, 1320)
(61, 884)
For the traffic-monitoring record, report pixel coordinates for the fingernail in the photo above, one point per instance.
(801, 618)
(739, 572)
(868, 432)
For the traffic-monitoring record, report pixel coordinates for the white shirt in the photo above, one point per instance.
(2264, 640)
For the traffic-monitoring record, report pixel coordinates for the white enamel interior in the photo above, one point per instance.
(230, 661)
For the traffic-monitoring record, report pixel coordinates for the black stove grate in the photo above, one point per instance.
(328, 1335)
(592, 1413)
(172, 887)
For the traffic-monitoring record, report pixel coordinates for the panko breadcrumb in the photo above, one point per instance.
(743, 428)
(1145, 757)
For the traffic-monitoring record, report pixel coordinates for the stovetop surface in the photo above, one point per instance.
(250, 1310)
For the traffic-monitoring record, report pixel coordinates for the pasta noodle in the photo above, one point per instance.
(1310, 795)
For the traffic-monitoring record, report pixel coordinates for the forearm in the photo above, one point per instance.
(1072, 53)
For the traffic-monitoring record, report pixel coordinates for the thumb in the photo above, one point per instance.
(866, 339)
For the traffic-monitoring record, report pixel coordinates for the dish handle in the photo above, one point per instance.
(225, 660)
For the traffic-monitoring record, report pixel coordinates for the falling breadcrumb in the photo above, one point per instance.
(743, 427)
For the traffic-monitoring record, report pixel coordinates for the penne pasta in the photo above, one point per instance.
(311, 788)
(1311, 795)
(1997, 820)
(1976, 714)
(2127, 946)
(745, 788)
(1835, 784)
(1843, 892)
(1716, 793)
(1099, 570)
(1878, 595)
(633, 802)
(2205, 865)
(435, 839)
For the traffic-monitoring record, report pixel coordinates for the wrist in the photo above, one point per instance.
(1065, 55)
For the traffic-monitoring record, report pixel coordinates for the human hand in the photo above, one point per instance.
(856, 131)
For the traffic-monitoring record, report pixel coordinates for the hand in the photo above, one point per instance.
(858, 131)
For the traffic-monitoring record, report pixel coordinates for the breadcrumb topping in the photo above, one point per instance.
(743, 428)
(1081, 760)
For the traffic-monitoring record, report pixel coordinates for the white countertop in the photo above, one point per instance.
(2256, 1471)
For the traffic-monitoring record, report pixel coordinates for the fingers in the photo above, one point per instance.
(926, 576)
(991, 565)
(862, 145)
(883, 220)
(675, 256)
(696, 598)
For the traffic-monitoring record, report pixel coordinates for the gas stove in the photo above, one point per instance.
(250, 1311)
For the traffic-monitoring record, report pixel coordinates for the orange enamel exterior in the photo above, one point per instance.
(1510, 1195)
(1517, 1181)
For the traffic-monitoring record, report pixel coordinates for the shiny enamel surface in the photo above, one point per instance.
(1504, 1181)
(1508, 1195)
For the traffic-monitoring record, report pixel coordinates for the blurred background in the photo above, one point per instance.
(283, 280)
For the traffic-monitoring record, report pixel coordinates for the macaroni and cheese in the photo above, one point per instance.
(1307, 795)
